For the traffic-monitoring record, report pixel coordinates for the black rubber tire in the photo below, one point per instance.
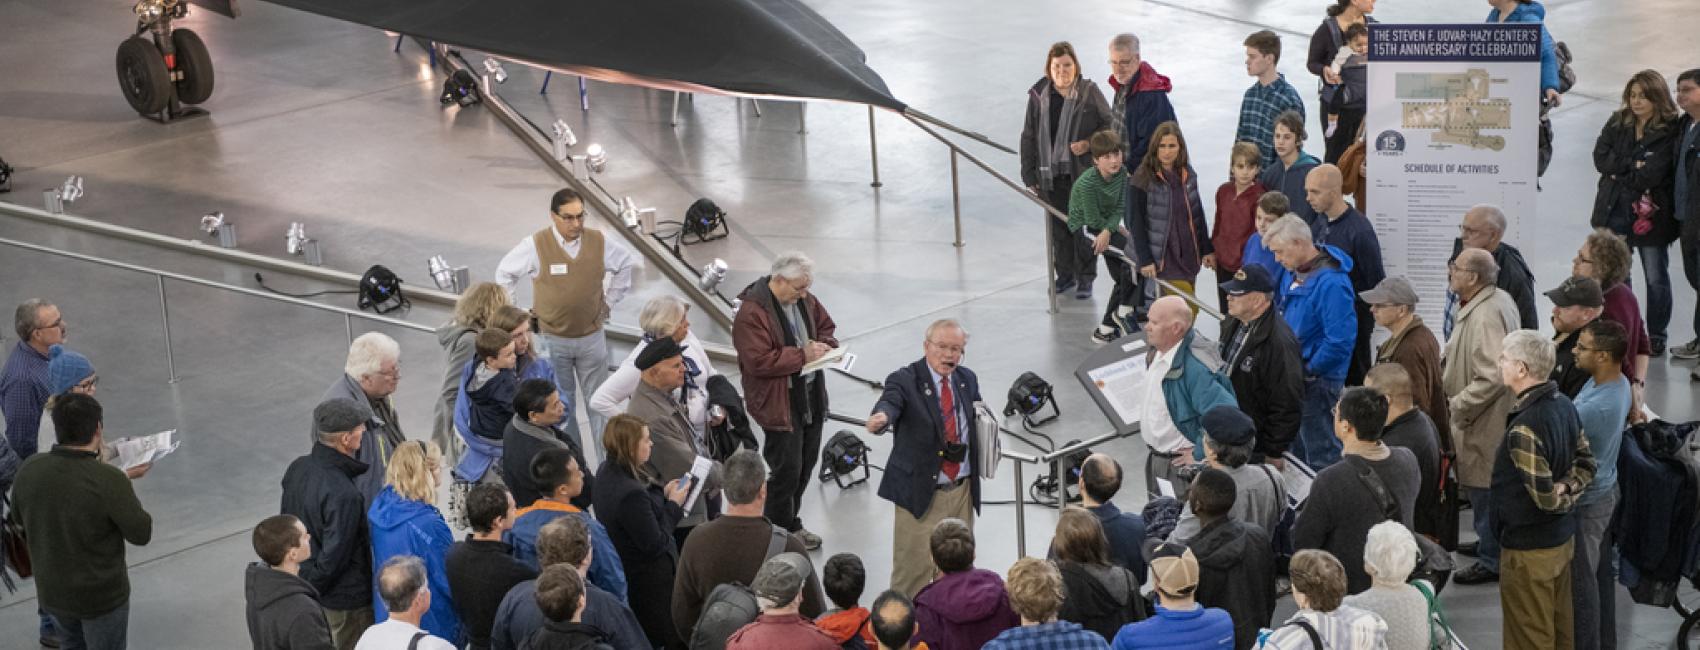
(142, 76)
(195, 64)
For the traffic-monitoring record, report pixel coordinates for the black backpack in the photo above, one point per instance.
(731, 605)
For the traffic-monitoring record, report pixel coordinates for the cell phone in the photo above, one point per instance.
(685, 480)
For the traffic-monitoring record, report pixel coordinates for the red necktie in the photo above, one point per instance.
(947, 404)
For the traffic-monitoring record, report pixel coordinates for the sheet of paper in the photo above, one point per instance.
(1298, 478)
(139, 450)
(1165, 488)
(1123, 384)
(699, 477)
(838, 358)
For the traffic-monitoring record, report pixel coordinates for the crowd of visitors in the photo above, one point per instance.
(647, 529)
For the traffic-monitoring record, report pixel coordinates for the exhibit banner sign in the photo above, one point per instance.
(1452, 121)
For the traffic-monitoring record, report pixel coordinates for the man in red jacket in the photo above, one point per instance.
(778, 329)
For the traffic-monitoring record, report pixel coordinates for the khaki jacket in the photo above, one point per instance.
(1477, 402)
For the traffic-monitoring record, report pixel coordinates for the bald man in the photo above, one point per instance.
(1342, 226)
(1484, 227)
(1185, 378)
(1100, 480)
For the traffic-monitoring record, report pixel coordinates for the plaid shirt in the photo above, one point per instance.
(23, 394)
(1056, 635)
(1258, 112)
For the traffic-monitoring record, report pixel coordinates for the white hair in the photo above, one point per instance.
(1535, 351)
(793, 265)
(1125, 42)
(1289, 229)
(945, 323)
(366, 356)
(1390, 553)
(1495, 217)
(661, 315)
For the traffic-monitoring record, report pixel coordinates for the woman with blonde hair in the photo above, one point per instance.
(405, 521)
(472, 313)
(640, 515)
(664, 316)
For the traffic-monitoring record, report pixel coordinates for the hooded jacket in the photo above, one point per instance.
(1322, 315)
(565, 635)
(1616, 153)
(1236, 572)
(1194, 384)
(1140, 107)
(402, 526)
(770, 358)
(320, 490)
(846, 624)
(1278, 177)
(1268, 375)
(1094, 116)
(605, 568)
(457, 342)
(1535, 12)
(1514, 277)
(733, 434)
(1101, 598)
(284, 612)
(963, 610)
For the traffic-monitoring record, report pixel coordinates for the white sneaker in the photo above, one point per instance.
(1689, 350)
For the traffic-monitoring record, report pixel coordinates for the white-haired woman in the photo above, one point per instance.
(664, 316)
(1390, 554)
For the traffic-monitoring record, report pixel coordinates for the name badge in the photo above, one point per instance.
(557, 269)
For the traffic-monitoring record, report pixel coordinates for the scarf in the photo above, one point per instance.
(1059, 161)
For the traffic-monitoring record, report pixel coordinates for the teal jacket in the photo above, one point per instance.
(1194, 384)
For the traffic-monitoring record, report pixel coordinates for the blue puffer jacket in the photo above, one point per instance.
(1196, 383)
(1321, 315)
(402, 526)
(1535, 12)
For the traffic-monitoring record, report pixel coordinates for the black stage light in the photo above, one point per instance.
(842, 456)
(1028, 397)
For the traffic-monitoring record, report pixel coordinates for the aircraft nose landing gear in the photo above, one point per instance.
(162, 73)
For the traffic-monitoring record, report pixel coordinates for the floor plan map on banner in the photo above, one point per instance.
(1456, 107)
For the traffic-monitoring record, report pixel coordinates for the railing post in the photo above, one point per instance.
(1020, 514)
(1050, 264)
(956, 196)
(874, 147)
(348, 322)
(165, 319)
(802, 117)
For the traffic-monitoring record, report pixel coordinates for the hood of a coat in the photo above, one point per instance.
(758, 292)
(1144, 79)
(265, 586)
(1111, 584)
(1222, 546)
(452, 331)
(1340, 257)
(843, 624)
(965, 597)
(390, 510)
(1530, 12)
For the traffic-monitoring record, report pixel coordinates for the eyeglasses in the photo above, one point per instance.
(88, 384)
(58, 324)
(393, 373)
(953, 349)
(570, 216)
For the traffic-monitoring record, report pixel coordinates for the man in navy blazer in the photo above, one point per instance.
(930, 475)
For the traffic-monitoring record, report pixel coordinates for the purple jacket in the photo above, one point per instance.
(963, 610)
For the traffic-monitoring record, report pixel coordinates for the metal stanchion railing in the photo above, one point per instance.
(874, 147)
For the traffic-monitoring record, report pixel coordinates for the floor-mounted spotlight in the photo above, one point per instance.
(55, 199)
(453, 279)
(296, 242)
(493, 70)
(636, 217)
(214, 224)
(713, 274)
(592, 161)
(564, 138)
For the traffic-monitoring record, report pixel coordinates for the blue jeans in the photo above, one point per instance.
(1655, 270)
(581, 365)
(1691, 261)
(1487, 546)
(1316, 444)
(109, 631)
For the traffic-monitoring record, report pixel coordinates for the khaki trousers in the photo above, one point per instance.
(348, 625)
(1534, 594)
(911, 550)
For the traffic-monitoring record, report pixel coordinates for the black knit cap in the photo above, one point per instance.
(657, 351)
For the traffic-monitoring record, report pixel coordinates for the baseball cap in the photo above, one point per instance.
(1395, 290)
(781, 578)
(1578, 290)
(1174, 565)
(1251, 277)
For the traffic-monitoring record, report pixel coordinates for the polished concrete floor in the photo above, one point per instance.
(319, 122)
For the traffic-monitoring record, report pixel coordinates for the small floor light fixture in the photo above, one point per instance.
(713, 274)
(214, 224)
(453, 279)
(564, 138)
(55, 199)
(493, 71)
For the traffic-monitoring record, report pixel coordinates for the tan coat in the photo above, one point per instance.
(1477, 402)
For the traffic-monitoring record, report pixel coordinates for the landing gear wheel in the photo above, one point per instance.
(142, 76)
(195, 64)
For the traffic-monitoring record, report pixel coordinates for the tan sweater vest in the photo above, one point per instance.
(568, 304)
